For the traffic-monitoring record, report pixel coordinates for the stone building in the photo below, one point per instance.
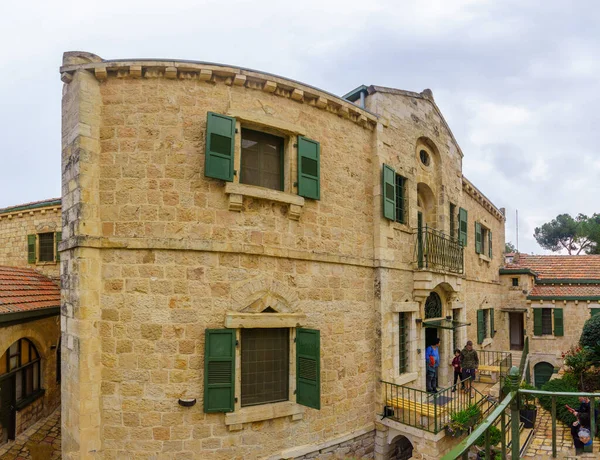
(246, 258)
(548, 299)
(29, 315)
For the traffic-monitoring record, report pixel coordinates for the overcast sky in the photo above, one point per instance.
(517, 80)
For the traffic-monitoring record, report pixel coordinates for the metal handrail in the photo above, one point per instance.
(512, 400)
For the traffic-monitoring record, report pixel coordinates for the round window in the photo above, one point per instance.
(424, 156)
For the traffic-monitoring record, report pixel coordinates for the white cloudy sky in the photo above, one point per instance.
(517, 80)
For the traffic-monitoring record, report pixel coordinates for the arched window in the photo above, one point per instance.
(22, 361)
(433, 306)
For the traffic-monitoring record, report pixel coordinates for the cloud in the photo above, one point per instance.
(517, 81)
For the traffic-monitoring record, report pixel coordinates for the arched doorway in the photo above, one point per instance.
(20, 378)
(542, 373)
(401, 448)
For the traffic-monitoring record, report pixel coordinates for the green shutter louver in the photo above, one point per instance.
(478, 238)
(462, 226)
(490, 243)
(388, 181)
(308, 367)
(309, 168)
(594, 311)
(558, 322)
(57, 239)
(480, 327)
(31, 249)
(537, 321)
(218, 157)
(219, 370)
(492, 331)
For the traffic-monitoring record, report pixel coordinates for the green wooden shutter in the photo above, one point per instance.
(490, 243)
(492, 332)
(388, 182)
(558, 322)
(31, 249)
(480, 327)
(308, 367)
(219, 370)
(537, 321)
(309, 168)
(218, 157)
(57, 239)
(462, 226)
(594, 311)
(478, 238)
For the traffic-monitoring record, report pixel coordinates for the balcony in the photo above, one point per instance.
(435, 250)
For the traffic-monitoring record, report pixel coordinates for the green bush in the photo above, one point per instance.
(566, 384)
(590, 336)
(495, 437)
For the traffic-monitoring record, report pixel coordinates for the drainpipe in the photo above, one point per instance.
(362, 99)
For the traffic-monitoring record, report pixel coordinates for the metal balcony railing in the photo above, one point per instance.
(438, 251)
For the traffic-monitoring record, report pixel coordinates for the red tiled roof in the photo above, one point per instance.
(559, 267)
(22, 289)
(565, 290)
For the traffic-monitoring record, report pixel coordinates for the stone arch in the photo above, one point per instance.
(13, 334)
(426, 204)
(257, 295)
(425, 143)
(400, 448)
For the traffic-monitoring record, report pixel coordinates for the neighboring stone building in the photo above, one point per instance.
(246, 257)
(29, 314)
(548, 299)
(29, 349)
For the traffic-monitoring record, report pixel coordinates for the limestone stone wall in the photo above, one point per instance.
(154, 253)
(14, 228)
(44, 334)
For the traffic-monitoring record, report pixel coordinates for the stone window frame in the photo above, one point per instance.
(240, 415)
(41, 231)
(411, 309)
(289, 133)
(485, 243)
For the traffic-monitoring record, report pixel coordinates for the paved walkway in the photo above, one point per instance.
(541, 444)
(41, 441)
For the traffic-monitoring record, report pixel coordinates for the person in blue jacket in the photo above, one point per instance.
(432, 361)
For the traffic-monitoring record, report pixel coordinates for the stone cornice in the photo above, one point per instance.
(476, 194)
(16, 212)
(215, 73)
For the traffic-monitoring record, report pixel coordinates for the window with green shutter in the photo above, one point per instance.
(537, 321)
(309, 168)
(594, 311)
(57, 239)
(46, 247)
(31, 240)
(492, 331)
(308, 367)
(403, 320)
(546, 321)
(220, 136)
(490, 244)
(480, 326)
(400, 199)
(558, 322)
(388, 182)
(478, 248)
(219, 370)
(452, 220)
(462, 226)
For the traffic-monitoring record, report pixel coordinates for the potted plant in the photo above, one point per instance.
(461, 421)
(527, 407)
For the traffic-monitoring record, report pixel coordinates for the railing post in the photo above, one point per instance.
(593, 418)
(514, 379)
(554, 426)
(503, 428)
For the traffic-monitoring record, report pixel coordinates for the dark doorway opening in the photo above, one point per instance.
(516, 330)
